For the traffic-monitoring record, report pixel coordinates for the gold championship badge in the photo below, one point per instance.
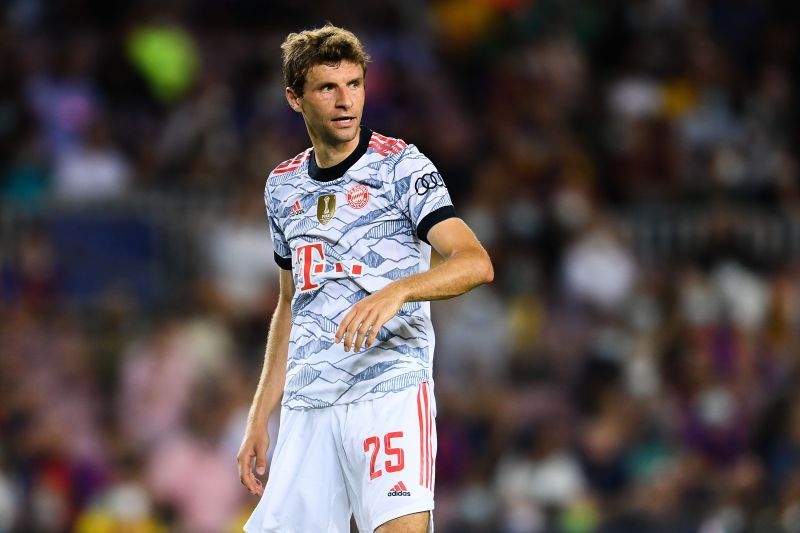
(326, 205)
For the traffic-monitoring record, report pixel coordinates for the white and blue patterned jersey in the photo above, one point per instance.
(346, 232)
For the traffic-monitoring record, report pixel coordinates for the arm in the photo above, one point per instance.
(465, 265)
(269, 391)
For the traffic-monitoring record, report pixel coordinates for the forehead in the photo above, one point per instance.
(342, 71)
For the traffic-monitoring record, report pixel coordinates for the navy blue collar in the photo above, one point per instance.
(338, 170)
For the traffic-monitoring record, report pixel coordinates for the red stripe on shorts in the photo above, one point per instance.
(421, 436)
(429, 453)
(427, 435)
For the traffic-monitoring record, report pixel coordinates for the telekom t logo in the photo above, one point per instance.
(311, 261)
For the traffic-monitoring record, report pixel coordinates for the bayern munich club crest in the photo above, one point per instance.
(358, 197)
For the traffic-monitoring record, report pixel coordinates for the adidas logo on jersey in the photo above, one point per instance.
(297, 209)
(399, 490)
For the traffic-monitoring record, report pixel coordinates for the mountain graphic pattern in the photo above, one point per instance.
(380, 240)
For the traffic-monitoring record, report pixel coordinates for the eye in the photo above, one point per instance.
(355, 84)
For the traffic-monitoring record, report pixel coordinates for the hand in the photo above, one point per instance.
(254, 445)
(367, 317)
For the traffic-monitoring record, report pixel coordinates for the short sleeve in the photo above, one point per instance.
(282, 252)
(421, 192)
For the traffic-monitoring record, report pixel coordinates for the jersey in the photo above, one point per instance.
(347, 232)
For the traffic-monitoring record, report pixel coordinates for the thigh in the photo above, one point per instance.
(305, 490)
(410, 523)
(390, 451)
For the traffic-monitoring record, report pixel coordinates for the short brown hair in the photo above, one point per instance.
(329, 45)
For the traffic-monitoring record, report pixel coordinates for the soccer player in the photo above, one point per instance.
(349, 350)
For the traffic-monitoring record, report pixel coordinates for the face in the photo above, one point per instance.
(332, 102)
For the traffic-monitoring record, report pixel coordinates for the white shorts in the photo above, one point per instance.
(372, 459)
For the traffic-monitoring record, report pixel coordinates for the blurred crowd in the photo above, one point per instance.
(590, 388)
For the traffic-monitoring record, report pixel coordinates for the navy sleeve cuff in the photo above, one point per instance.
(433, 218)
(283, 262)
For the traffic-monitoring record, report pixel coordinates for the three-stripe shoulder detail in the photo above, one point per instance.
(292, 164)
(386, 145)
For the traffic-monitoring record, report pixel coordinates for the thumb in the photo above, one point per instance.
(261, 459)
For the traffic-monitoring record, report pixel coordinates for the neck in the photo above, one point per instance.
(330, 154)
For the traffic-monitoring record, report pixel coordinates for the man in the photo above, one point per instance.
(350, 345)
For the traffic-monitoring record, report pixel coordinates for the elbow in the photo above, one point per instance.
(487, 270)
(285, 300)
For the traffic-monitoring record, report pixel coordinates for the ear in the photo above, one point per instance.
(294, 100)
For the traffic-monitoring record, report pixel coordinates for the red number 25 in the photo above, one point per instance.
(375, 444)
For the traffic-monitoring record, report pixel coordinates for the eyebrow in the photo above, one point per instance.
(324, 83)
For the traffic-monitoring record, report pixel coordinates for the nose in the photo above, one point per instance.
(343, 99)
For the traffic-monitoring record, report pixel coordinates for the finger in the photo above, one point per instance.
(359, 340)
(243, 461)
(245, 473)
(255, 486)
(376, 329)
(352, 330)
(348, 318)
(258, 488)
(261, 459)
(373, 334)
(363, 330)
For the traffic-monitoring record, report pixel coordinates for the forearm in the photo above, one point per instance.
(466, 265)
(457, 274)
(273, 374)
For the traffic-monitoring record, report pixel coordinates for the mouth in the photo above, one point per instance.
(344, 122)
